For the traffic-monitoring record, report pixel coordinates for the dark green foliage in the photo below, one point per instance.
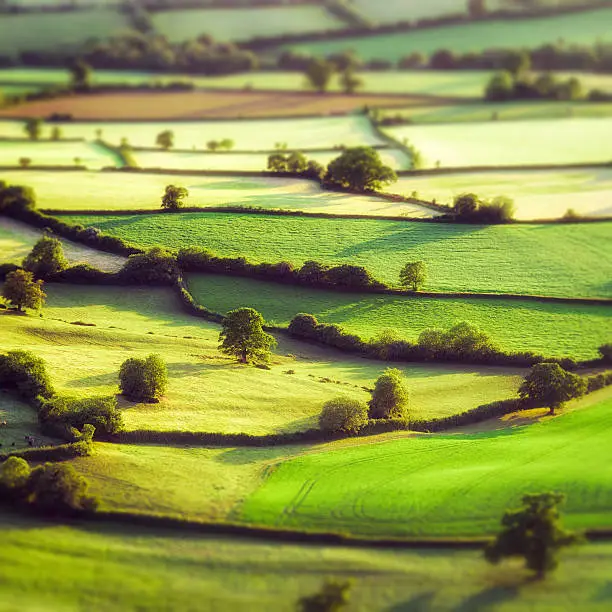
(165, 139)
(332, 597)
(500, 87)
(534, 533)
(143, 380)
(33, 128)
(297, 162)
(359, 169)
(514, 84)
(26, 374)
(343, 414)
(21, 290)
(605, 350)
(349, 81)
(157, 267)
(303, 325)
(413, 275)
(550, 385)
(14, 475)
(243, 336)
(390, 396)
(173, 197)
(319, 73)
(80, 73)
(14, 197)
(46, 258)
(471, 208)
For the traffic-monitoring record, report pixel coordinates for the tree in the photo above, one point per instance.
(242, 336)
(213, 145)
(227, 144)
(343, 414)
(56, 133)
(477, 8)
(277, 162)
(46, 258)
(549, 384)
(605, 350)
(319, 73)
(80, 73)
(143, 380)
(390, 396)
(360, 169)
(173, 197)
(414, 275)
(24, 162)
(349, 81)
(33, 128)
(332, 597)
(26, 374)
(165, 140)
(517, 62)
(466, 204)
(533, 532)
(297, 162)
(500, 87)
(21, 290)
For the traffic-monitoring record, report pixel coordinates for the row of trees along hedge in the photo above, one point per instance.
(504, 86)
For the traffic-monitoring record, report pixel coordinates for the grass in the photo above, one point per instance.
(21, 421)
(571, 259)
(132, 569)
(446, 485)
(244, 24)
(552, 329)
(537, 194)
(582, 28)
(126, 191)
(393, 11)
(516, 143)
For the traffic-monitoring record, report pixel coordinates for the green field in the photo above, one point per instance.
(244, 24)
(446, 485)
(537, 194)
(551, 329)
(126, 191)
(511, 143)
(572, 260)
(578, 28)
(20, 420)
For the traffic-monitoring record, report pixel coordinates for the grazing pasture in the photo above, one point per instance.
(551, 329)
(393, 11)
(404, 487)
(511, 143)
(20, 421)
(537, 194)
(546, 259)
(130, 191)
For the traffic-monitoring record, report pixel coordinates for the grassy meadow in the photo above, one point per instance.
(21, 421)
(572, 260)
(406, 486)
(548, 328)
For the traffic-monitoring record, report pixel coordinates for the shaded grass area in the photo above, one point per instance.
(556, 260)
(456, 484)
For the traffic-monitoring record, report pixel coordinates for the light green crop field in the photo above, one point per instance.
(244, 24)
(560, 260)
(16, 90)
(548, 328)
(127, 191)
(537, 194)
(132, 569)
(456, 484)
(45, 153)
(63, 31)
(579, 28)
(17, 240)
(511, 143)
(393, 11)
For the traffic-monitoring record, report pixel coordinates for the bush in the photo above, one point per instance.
(47, 258)
(156, 267)
(605, 350)
(26, 374)
(21, 290)
(143, 380)
(390, 396)
(343, 414)
(359, 169)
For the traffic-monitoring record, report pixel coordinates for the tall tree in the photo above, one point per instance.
(173, 197)
(80, 73)
(165, 140)
(46, 258)
(33, 127)
(319, 73)
(243, 336)
(360, 169)
(21, 290)
(414, 275)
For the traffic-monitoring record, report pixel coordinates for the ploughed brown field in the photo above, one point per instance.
(202, 105)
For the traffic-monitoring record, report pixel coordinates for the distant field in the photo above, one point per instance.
(64, 31)
(119, 191)
(406, 486)
(512, 143)
(392, 11)
(551, 329)
(537, 194)
(45, 153)
(562, 260)
(245, 23)
(581, 28)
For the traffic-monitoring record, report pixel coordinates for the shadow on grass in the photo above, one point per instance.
(488, 599)
(605, 593)
(243, 456)
(419, 603)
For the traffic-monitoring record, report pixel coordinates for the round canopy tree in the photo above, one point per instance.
(242, 336)
(343, 414)
(390, 396)
(21, 290)
(46, 258)
(360, 169)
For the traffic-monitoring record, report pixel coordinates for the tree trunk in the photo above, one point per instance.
(552, 410)
(243, 356)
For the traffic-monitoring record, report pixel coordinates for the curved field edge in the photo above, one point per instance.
(451, 485)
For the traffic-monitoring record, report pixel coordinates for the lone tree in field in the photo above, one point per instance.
(319, 73)
(390, 396)
(56, 133)
(227, 144)
(549, 384)
(413, 275)
(143, 380)
(24, 162)
(360, 169)
(173, 197)
(533, 532)
(333, 597)
(243, 337)
(32, 128)
(343, 414)
(46, 258)
(349, 81)
(21, 290)
(80, 73)
(165, 140)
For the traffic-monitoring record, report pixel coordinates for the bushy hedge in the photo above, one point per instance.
(26, 375)
(61, 452)
(599, 381)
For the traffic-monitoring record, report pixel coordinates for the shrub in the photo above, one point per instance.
(143, 380)
(157, 266)
(303, 325)
(343, 414)
(14, 475)
(333, 597)
(605, 350)
(26, 374)
(21, 290)
(46, 258)
(390, 396)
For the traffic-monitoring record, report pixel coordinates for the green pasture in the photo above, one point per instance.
(560, 260)
(537, 194)
(131, 191)
(245, 23)
(393, 11)
(511, 143)
(132, 569)
(574, 28)
(62, 31)
(548, 328)
(455, 484)
(20, 420)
